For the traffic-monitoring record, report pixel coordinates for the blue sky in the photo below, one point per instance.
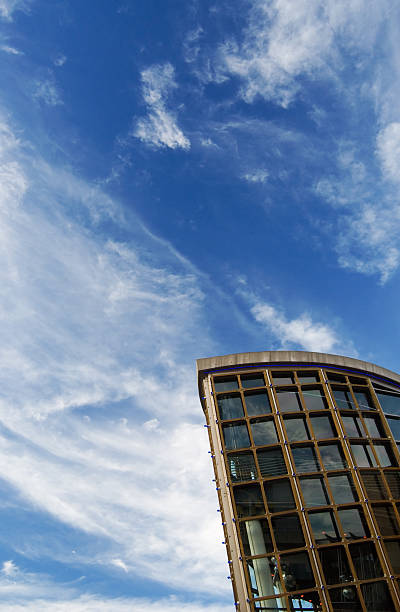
(177, 180)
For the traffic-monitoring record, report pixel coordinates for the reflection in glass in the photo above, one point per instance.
(248, 500)
(385, 454)
(334, 564)
(373, 485)
(306, 602)
(242, 467)
(314, 398)
(386, 519)
(260, 577)
(374, 427)
(283, 378)
(394, 425)
(296, 571)
(296, 429)
(393, 551)
(343, 489)
(305, 377)
(390, 402)
(344, 599)
(353, 427)
(353, 524)
(225, 383)
(362, 455)
(271, 462)
(377, 597)
(305, 459)
(256, 537)
(364, 399)
(323, 427)
(230, 406)
(314, 492)
(236, 435)
(252, 380)
(393, 480)
(323, 526)
(264, 432)
(343, 399)
(257, 403)
(287, 531)
(279, 495)
(332, 457)
(289, 401)
(365, 560)
(334, 377)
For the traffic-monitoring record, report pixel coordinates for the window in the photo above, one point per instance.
(236, 435)
(332, 456)
(333, 377)
(287, 531)
(225, 383)
(353, 523)
(377, 597)
(289, 401)
(314, 492)
(343, 489)
(393, 551)
(283, 378)
(362, 455)
(256, 537)
(252, 380)
(335, 565)
(279, 495)
(393, 479)
(314, 398)
(264, 432)
(248, 500)
(374, 427)
(343, 399)
(390, 402)
(365, 560)
(258, 569)
(323, 526)
(364, 399)
(242, 467)
(394, 425)
(385, 454)
(345, 599)
(271, 462)
(353, 427)
(373, 485)
(296, 570)
(308, 377)
(257, 403)
(323, 427)
(296, 429)
(305, 459)
(386, 519)
(230, 406)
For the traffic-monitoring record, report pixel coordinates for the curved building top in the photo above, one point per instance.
(291, 358)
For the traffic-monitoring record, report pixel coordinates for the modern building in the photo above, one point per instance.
(306, 460)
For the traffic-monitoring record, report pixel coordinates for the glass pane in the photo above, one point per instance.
(256, 537)
(353, 427)
(390, 402)
(306, 602)
(386, 519)
(296, 429)
(393, 479)
(305, 377)
(279, 495)
(282, 378)
(314, 399)
(345, 599)
(334, 564)
(362, 455)
(364, 399)
(323, 526)
(343, 399)
(353, 523)
(242, 467)
(257, 403)
(314, 492)
(248, 500)
(394, 425)
(334, 377)
(343, 489)
(374, 427)
(271, 462)
(323, 427)
(333, 457)
(305, 459)
(230, 406)
(393, 551)
(297, 573)
(264, 432)
(271, 605)
(366, 561)
(385, 454)
(252, 380)
(373, 484)
(260, 577)
(287, 531)
(225, 383)
(357, 381)
(288, 401)
(377, 597)
(236, 435)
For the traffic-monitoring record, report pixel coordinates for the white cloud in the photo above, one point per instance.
(256, 176)
(60, 60)
(388, 150)
(8, 7)
(302, 331)
(47, 92)
(159, 128)
(10, 50)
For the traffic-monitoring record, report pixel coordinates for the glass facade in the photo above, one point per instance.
(313, 474)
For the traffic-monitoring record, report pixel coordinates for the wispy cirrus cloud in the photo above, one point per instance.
(8, 7)
(159, 128)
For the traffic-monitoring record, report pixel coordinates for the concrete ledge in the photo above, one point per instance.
(288, 357)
